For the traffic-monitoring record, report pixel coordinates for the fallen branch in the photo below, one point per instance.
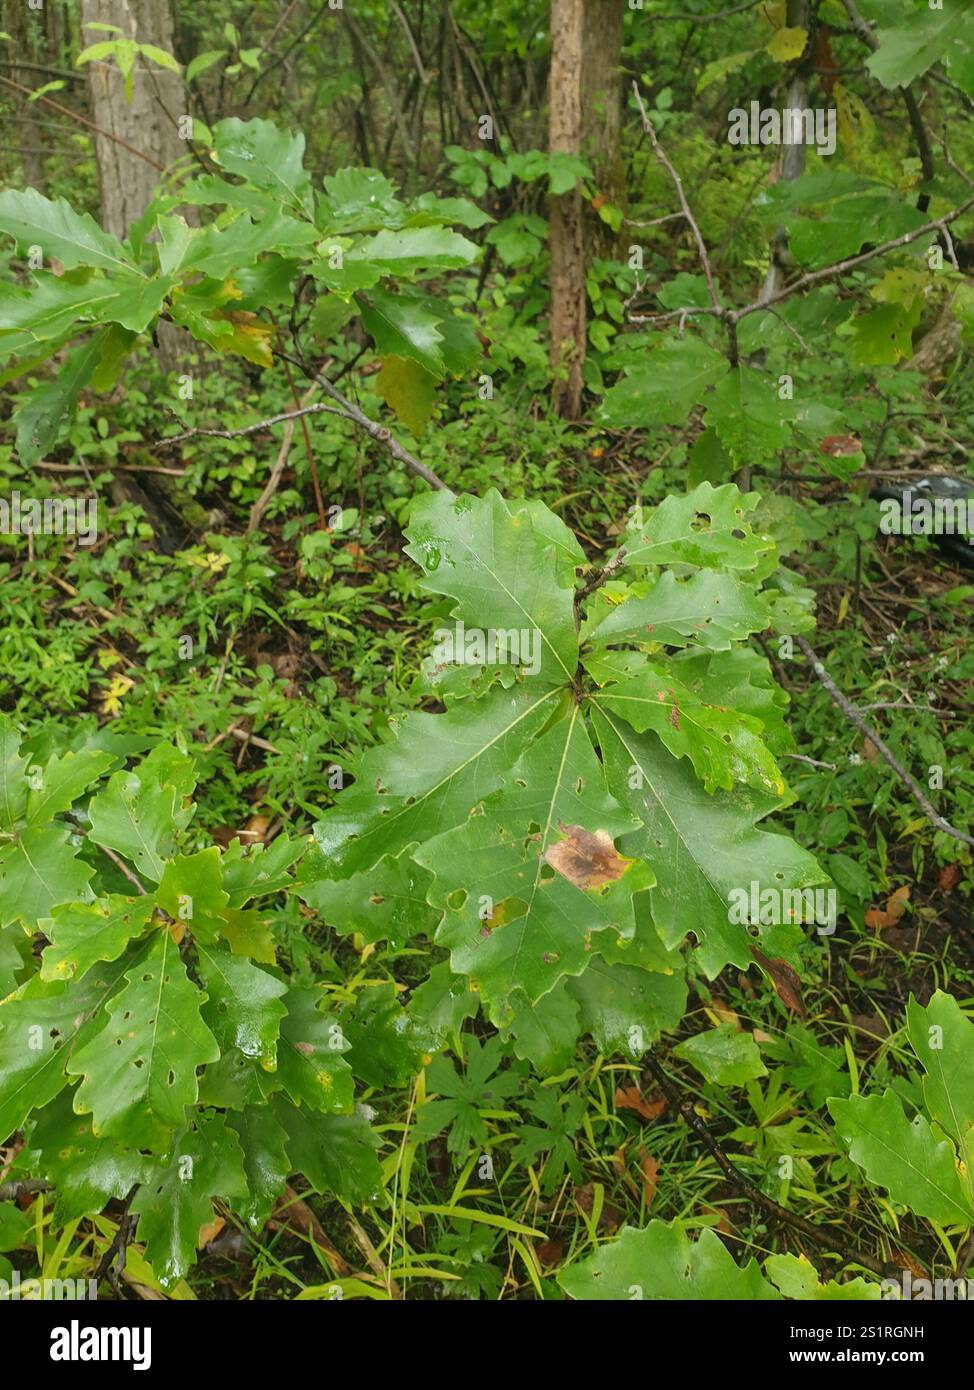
(864, 727)
(825, 1239)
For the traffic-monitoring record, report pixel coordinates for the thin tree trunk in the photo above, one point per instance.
(26, 29)
(148, 122)
(602, 115)
(566, 229)
(793, 158)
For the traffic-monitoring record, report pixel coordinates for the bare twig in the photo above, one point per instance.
(82, 120)
(864, 727)
(678, 184)
(371, 427)
(809, 762)
(286, 415)
(826, 1239)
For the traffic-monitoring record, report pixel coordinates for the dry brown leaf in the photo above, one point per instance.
(895, 907)
(784, 977)
(210, 1232)
(650, 1171)
(950, 875)
(631, 1098)
(586, 860)
(549, 1252)
(610, 1218)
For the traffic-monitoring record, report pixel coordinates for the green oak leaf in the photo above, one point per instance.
(82, 934)
(257, 870)
(723, 1055)
(701, 847)
(73, 238)
(40, 1027)
(39, 420)
(906, 51)
(917, 1169)
(62, 780)
(412, 249)
(13, 781)
(626, 1008)
(138, 815)
(387, 903)
(38, 870)
(708, 609)
(545, 1032)
(389, 1046)
(428, 780)
(139, 1073)
(661, 1262)
(87, 1172)
(707, 527)
(533, 872)
(336, 1153)
(175, 1200)
(671, 379)
(243, 1009)
(265, 1159)
(267, 158)
(191, 892)
(311, 1065)
(942, 1036)
(400, 326)
(493, 562)
(723, 745)
(795, 1277)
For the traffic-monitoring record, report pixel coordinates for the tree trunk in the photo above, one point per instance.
(602, 115)
(566, 230)
(148, 122)
(26, 29)
(793, 159)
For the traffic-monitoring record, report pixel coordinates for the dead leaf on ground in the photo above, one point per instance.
(610, 1217)
(631, 1098)
(895, 907)
(724, 1224)
(586, 860)
(724, 1012)
(784, 977)
(950, 875)
(650, 1171)
(870, 1026)
(549, 1252)
(210, 1232)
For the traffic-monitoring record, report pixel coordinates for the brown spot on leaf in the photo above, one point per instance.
(586, 860)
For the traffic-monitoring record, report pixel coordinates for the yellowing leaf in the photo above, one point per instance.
(407, 388)
(857, 129)
(787, 45)
(111, 701)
